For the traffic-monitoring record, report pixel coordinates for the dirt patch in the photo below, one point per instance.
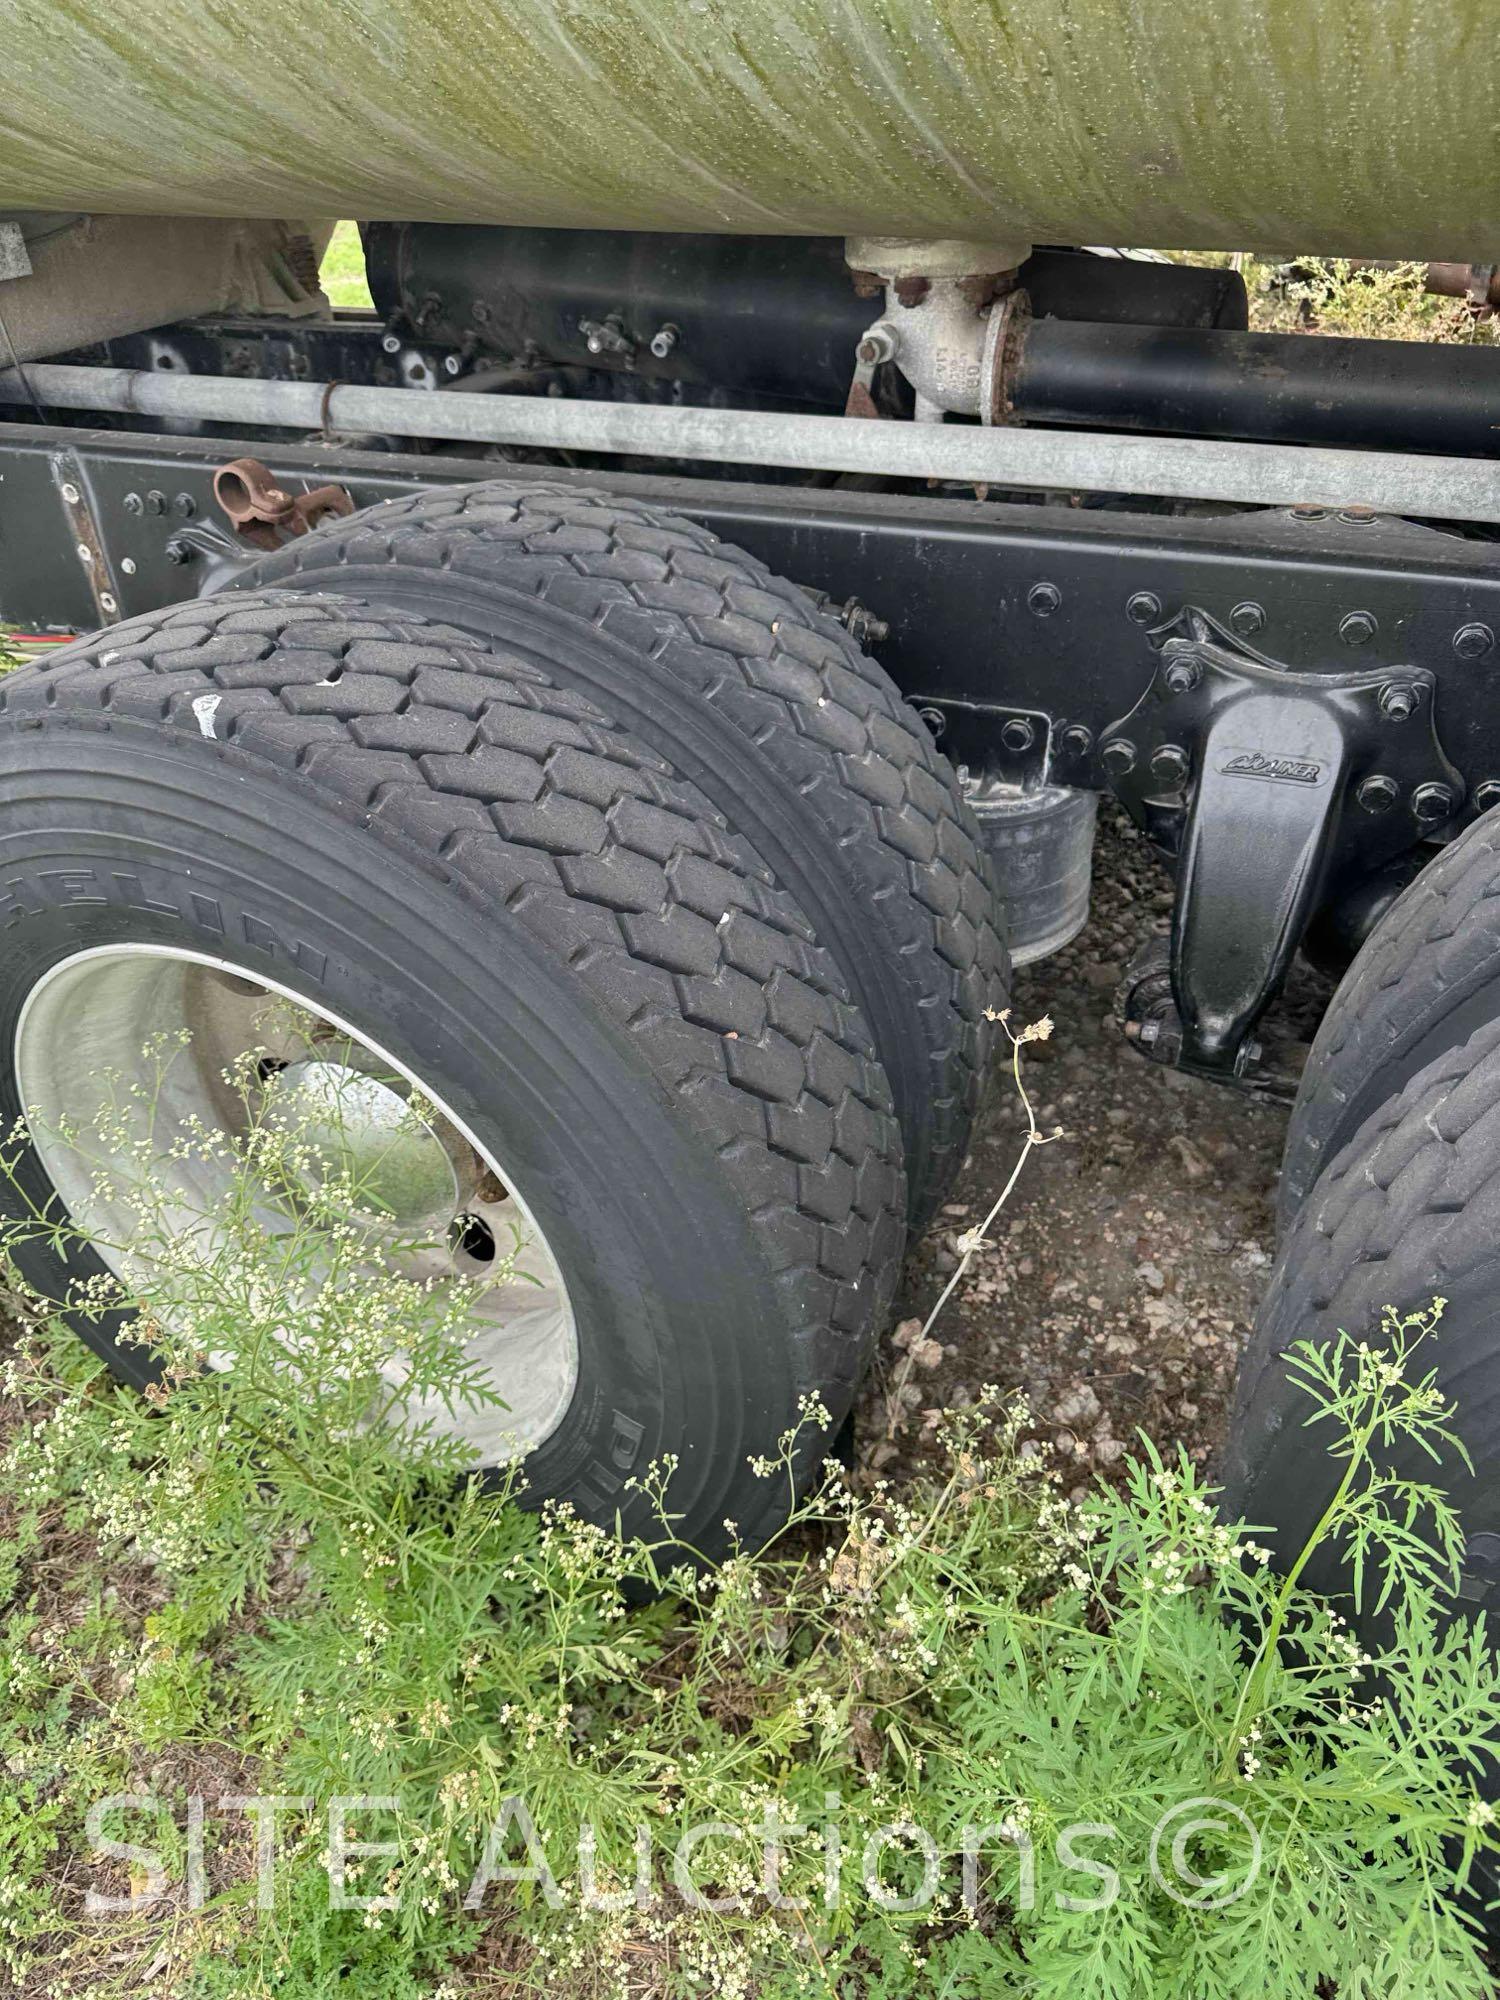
(1125, 1272)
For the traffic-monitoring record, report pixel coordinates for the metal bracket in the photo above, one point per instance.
(1267, 1069)
(1267, 783)
(1013, 745)
(71, 481)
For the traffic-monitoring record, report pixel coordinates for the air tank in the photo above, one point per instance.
(1364, 127)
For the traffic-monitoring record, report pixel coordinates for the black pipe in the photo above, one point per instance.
(765, 316)
(1392, 395)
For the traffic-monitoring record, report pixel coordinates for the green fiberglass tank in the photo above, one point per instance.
(1359, 126)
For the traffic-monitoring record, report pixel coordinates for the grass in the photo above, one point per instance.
(344, 270)
(953, 1738)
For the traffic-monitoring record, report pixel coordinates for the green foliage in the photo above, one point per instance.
(280, 1580)
(343, 272)
(1334, 295)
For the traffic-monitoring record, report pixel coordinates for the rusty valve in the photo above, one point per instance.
(265, 514)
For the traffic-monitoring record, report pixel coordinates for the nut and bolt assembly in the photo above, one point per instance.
(1400, 700)
(1378, 793)
(1432, 803)
(1183, 672)
(1472, 642)
(1357, 628)
(606, 336)
(878, 345)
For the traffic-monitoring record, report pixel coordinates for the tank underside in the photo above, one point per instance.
(1275, 125)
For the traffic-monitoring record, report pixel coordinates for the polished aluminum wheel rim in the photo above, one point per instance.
(101, 1018)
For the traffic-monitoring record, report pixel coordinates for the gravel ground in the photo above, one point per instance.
(1124, 1273)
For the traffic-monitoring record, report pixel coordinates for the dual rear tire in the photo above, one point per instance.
(761, 701)
(653, 900)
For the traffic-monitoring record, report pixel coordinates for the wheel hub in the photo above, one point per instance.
(368, 1138)
(158, 1048)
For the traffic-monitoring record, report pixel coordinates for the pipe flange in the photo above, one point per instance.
(1000, 356)
(893, 258)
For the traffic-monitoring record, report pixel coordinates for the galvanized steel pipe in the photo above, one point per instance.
(1269, 475)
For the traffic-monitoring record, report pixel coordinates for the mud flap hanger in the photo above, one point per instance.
(1271, 786)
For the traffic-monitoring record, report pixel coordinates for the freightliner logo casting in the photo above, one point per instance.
(1288, 770)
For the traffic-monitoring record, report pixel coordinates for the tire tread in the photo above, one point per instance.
(831, 728)
(613, 863)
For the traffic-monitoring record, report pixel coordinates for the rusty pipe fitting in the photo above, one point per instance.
(265, 514)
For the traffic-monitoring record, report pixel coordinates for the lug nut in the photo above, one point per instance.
(1076, 740)
(1119, 756)
(1247, 618)
(1472, 642)
(1143, 608)
(1043, 599)
(179, 551)
(1400, 700)
(134, 504)
(664, 340)
(1357, 628)
(1378, 794)
(1169, 762)
(1432, 803)
(1487, 795)
(1183, 673)
(1018, 734)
